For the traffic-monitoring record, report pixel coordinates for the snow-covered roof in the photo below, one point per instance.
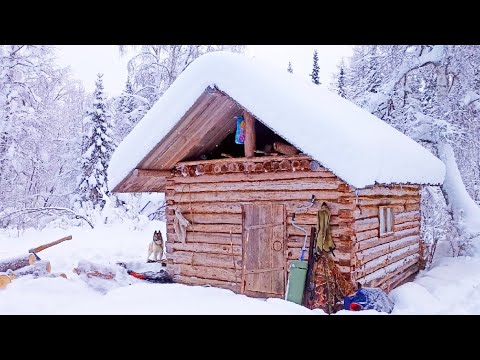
(355, 145)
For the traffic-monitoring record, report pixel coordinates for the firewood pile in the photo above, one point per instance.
(103, 278)
(28, 264)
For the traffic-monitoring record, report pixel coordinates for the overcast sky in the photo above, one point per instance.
(88, 60)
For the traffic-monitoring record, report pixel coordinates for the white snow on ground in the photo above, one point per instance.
(354, 144)
(107, 245)
(452, 286)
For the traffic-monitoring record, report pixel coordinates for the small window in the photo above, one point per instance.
(386, 218)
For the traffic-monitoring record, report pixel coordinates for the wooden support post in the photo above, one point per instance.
(250, 136)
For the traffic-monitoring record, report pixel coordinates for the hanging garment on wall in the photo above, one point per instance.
(324, 235)
(180, 225)
(240, 134)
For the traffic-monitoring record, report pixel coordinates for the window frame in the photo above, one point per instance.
(386, 216)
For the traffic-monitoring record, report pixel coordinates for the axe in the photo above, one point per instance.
(37, 249)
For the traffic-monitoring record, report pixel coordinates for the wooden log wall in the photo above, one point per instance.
(210, 195)
(385, 261)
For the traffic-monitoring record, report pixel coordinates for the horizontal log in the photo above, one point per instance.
(342, 210)
(387, 201)
(412, 207)
(18, 262)
(341, 246)
(151, 173)
(189, 280)
(406, 225)
(37, 269)
(306, 221)
(363, 212)
(201, 237)
(385, 191)
(280, 185)
(397, 279)
(285, 149)
(341, 257)
(393, 270)
(367, 255)
(386, 260)
(245, 177)
(206, 272)
(248, 196)
(376, 241)
(306, 218)
(210, 218)
(204, 248)
(366, 224)
(336, 230)
(407, 216)
(345, 270)
(364, 235)
(204, 259)
(216, 228)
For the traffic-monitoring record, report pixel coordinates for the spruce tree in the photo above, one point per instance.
(341, 82)
(290, 69)
(316, 69)
(97, 148)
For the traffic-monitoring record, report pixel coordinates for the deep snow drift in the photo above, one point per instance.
(452, 286)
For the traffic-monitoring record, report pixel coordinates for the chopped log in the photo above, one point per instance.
(259, 167)
(217, 168)
(295, 165)
(39, 268)
(305, 164)
(240, 160)
(94, 270)
(285, 165)
(285, 149)
(249, 166)
(250, 135)
(17, 262)
(233, 167)
(4, 280)
(208, 168)
(200, 170)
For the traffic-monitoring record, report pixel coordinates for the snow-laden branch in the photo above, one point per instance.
(459, 199)
(135, 96)
(432, 57)
(25, 211)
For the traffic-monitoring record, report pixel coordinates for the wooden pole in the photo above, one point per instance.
(46, 246)
(250, 136)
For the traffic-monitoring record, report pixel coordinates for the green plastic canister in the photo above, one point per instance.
(296, 281)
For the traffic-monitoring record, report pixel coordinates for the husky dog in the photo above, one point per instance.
(156, 246)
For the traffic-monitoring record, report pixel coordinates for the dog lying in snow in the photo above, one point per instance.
(156, 246)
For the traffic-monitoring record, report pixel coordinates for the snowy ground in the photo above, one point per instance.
(451, 287)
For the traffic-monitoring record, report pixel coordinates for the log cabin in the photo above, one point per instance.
(239, 197)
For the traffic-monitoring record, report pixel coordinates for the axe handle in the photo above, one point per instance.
(46, 246)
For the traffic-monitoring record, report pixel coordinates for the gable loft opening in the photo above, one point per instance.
(267, 143)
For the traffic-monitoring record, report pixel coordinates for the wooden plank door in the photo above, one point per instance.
(264, 243)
